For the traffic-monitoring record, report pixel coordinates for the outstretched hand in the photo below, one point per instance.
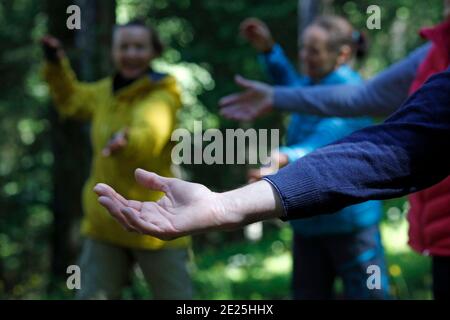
(118, 141)
(185, 208)
(255, 101)
(188, 208)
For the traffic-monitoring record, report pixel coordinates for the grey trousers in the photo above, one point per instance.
(106, 269)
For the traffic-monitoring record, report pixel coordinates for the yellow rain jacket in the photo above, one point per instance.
(148, 109)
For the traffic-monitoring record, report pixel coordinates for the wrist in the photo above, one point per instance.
(255, 202)
(226, 212)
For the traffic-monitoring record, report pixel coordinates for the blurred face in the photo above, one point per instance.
(317, 60)
(447, 9)
(132, 51)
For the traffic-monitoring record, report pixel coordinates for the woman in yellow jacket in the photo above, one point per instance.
(133, 114)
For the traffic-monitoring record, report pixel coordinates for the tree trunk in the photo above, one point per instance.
(69, 139)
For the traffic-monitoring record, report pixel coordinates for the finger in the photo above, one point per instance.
(252, 172)
(119, 139)
(137, 223)
(106, 152)
(115, 210)
(226, 114)
(122, 142)
(248, 30)
(44, 39)
(243, 82)
(237, 100)
(237, 113)
(137, 205)
(233, 111)
(109, 204)
(114, 145)
(252, 21)
(243, 110)
(254, 176)
(230, 110)
(148, 228)
(51, 41)
(244, 23)
(246, 116)
(55, 42)
(117, 145)
(151, 180)
(230, 99)
(102, 189)
(250, 179)
(254, 31)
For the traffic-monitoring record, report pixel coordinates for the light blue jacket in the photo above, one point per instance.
(308, 132)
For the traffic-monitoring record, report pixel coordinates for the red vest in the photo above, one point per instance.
(429, 216)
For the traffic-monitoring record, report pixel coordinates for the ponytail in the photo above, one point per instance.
(360, 44)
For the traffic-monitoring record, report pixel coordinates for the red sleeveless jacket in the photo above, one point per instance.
(429, 216)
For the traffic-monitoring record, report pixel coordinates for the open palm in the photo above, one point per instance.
(184, 209)
(255, 101)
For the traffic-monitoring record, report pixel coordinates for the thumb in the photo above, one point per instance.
(243, 82)
(106, 152)
(151, 180)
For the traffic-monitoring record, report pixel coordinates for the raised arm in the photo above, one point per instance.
(72, 98)
(279, 68)
(379, 96)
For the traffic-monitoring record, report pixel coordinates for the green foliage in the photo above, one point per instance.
(25, 160)
(262, 270)
(205, 51)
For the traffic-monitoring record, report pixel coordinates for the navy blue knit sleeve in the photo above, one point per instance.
(406, 153)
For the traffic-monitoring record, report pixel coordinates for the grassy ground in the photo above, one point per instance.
(261, 270)
(243, 269)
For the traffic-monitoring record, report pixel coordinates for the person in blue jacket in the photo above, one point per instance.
(346, 243)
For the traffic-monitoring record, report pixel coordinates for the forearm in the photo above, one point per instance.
(60, 78)
(72, 98)
(279, 68)
(255, 202)
(379, 96)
